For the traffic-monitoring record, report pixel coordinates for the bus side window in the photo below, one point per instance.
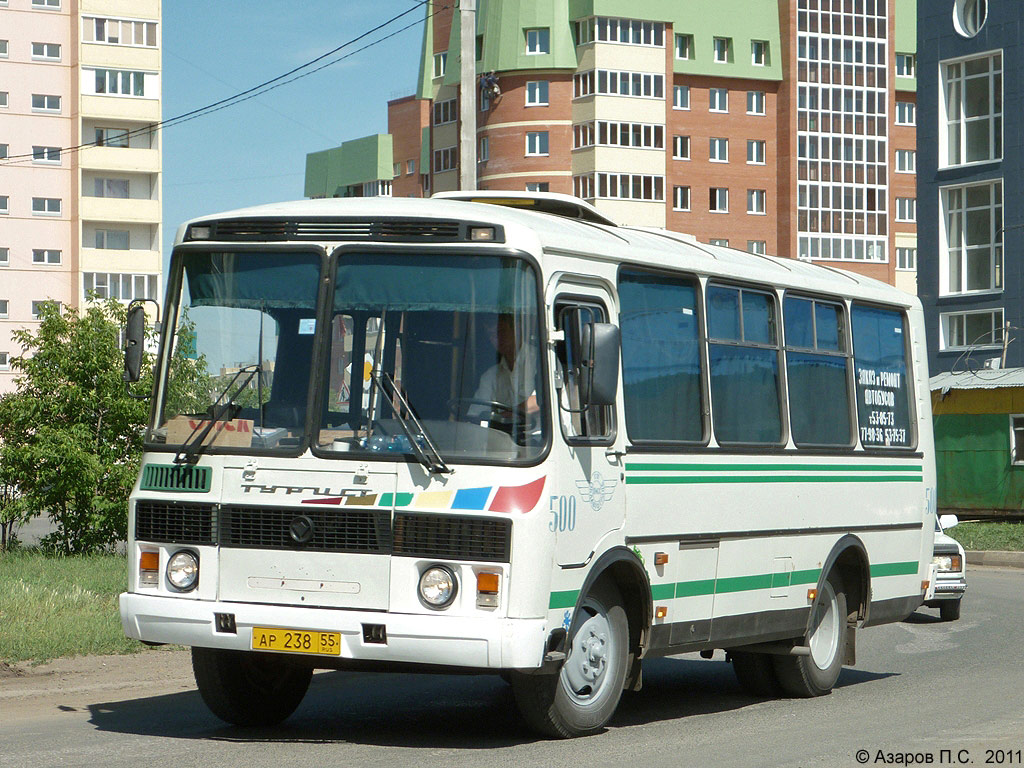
(880, 352)
(591, 423)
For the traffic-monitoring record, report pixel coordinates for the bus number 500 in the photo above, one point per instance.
(563, 517)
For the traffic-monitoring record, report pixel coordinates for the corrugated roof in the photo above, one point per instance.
(984, 378)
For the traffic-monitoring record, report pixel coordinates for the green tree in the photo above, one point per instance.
(70, 435)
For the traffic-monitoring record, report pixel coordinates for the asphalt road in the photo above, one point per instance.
(920, 687)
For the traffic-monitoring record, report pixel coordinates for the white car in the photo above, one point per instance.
(951, 571)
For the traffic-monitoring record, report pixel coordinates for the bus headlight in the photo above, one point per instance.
(183, 570)
(438, 586)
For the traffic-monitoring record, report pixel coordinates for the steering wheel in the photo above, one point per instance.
(458, 405)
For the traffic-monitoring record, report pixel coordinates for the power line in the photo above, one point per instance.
(260, 89)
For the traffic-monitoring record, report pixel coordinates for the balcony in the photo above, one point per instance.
(125, 159)
(114, 209)
(121, 108)
(128, 262)
(120, 56)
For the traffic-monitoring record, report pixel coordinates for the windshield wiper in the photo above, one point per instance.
(193, 445)
(434, 463)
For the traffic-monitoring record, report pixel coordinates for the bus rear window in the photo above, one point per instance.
(880, 365)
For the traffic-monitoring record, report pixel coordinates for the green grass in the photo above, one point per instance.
(61, 606)
(1007, 537)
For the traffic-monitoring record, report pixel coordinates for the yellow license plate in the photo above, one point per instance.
(296, 641)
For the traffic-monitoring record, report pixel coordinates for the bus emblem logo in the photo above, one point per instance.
(597, 491)
(301, 529)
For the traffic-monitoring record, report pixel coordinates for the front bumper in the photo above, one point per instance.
(486, 643)
(947, 589)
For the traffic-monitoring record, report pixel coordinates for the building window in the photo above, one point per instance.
(445, 112)
(969, 16)
(680, 198)
(4, 309)
(483, 152)
(967, 330)
(906, 161)
(680, 147)
(45, 256)
(37, 307)
(4, 151)
(5, 204)
(46, 51)
(684, 46)
(110, 188)
(1017, 438)
(46, 155)
(537, 93)
(608, 133)
(718, 150)
(538, 186)
(538, 41)
(722, 49)
(103, 285)
(113, 239)
(680, 97)
(906, 209)
(906, 65)
(112, 137)
(755, 151)
(536, 143)
(119, 31)
(46, 206)
(906, 259)
(721, 242)
(5, 257)
(905, 112)
(410, 167)
(620, 186)
(972, 97)
(759, 247)
(444, 159)
(50, 5)
(718, 200)
(626, 31)
(42, 102)
(759, 53)
(5, 48)
(756, 200)
(3, 99)
(755, 102)
(971, 243)
(719, 100)
(440, 64)
(5, 361)
(618, 83)
(119, 82)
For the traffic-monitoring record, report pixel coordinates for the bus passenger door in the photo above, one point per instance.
(587, 498)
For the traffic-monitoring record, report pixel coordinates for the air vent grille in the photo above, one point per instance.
(399, 230)
(453, 537)
(170, 522)
(332, 530)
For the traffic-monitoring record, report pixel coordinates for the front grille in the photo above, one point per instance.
(176, 478)
(333, 531)
(451, 537)
(169, 522)
(401, 230)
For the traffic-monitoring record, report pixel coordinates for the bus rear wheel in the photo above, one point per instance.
(816, 673)
(249, 688)
(583, 695)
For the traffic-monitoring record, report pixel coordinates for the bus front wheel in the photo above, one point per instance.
(583, 695)
(816, 673)
(249, 688)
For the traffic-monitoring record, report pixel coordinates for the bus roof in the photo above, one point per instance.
(530, 229)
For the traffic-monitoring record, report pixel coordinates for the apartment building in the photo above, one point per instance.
(80, 163)
(774, 126)
(970, 152)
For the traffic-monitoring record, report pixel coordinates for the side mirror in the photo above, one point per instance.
(600, 354)
(948, 521)
(134, 341)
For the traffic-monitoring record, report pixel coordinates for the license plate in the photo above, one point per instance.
(296, 641)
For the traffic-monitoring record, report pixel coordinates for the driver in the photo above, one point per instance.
(512, 381)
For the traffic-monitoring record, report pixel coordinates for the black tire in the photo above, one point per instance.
(815, 675)
(949, 610)
(249, 688)
(583, 695)
(756, 673)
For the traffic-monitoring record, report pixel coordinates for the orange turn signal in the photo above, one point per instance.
(487, 582)
(924, 585)
(660, 558)
(812, 595)
(149, 561)
(661, 612)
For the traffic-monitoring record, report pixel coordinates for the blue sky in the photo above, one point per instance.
(255, 152)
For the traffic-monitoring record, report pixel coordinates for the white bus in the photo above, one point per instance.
(501, 434)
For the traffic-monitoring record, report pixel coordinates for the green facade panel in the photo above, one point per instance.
(329, 171)
(425, 83)
(972, 454)
(905, 19)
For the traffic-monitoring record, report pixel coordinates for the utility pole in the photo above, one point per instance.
(467, 95)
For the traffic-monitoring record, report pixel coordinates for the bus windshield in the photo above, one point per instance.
(433, 355)
(440, 350)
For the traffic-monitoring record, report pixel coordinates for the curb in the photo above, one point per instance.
(992, 557)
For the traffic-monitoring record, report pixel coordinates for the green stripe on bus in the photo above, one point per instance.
(895, 569)
(565, 599)
(695, 588)
(726, 479)
(630, 467)
(663, 591)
